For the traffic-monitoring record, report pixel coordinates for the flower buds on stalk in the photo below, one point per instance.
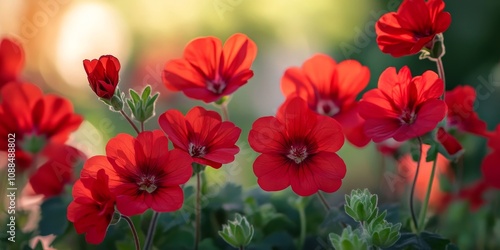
(237, 233)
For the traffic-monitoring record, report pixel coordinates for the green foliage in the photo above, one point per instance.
(143, 106)
(237, 233)
(53, 209)
(361, 205)
(349, 240)
(373, 229)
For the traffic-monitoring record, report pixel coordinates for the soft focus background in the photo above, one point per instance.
(58, 34)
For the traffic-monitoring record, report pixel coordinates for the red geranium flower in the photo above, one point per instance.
(11, 61)
(50, 179)
(490, 166)
(298, 149)
(92, 207)
(402, 107)
(35, 119)
(103, 75)
(461, 113)
(412, 27)
(203, 135)
(143, 173)
(330, 89)
(209, 71)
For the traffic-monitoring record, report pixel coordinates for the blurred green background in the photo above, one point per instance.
(58, 34)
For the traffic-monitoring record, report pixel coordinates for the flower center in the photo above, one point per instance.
(147, 183)
(297, 154)
(217, 86)
(33, 143)
(196, 150)
(327, 107)
(407, 117)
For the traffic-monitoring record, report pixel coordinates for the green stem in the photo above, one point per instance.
(142, 126)
(151, 231)
(423, 210)
(134, 232)
(130, 121)
(412, 210)
(225, 112)
(302, 215)
(197, 211)
(323, 200)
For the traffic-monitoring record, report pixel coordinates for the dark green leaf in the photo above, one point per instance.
(53, 213)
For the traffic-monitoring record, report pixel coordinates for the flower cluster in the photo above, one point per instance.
(412, 119)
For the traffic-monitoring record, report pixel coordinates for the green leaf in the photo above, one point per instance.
(53, 213)
(146, 92)
(425, 240)
(432, 153)
(131, 105)
(134, 96)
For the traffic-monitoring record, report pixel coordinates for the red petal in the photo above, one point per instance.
(272, 171)
(204, 55)
(173, 123)
(177, 168)
(267, 135)
(450, 143)
(11, 61)
(167, 199)
(238, 54)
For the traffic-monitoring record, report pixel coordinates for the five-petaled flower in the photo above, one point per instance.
(403, 107)
(298, 149)
(11, 61)
(92, 207)
(207, 71)
(36, 119)
(143, 173)
(103, 76)
(203, 135)
(330, 89)
(412, 27)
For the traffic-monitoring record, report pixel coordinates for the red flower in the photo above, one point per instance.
(11, 61)
(50, 179)
(402, 107)
(35, 119)
(298, 149)
(142, 172)
(209, 71)
(490, 166)
(461, 113)
(412, 27)
(203, 135)
(450, 143)
(92, 207)
(330, 89)
(103, 75)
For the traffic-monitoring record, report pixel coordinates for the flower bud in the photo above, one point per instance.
(349, 240)
(384, 234)
(143, 106)
(361, 205)
(237, 233)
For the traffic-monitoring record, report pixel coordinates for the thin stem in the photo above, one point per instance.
(130, 121)
(197, 211)
(225, 112)
(151, 231)
(142, 126)
(302, 215)
(440, 68)
(323, 200)
(413, 216)
(423, 210)
(242, 247)
(134, 232)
